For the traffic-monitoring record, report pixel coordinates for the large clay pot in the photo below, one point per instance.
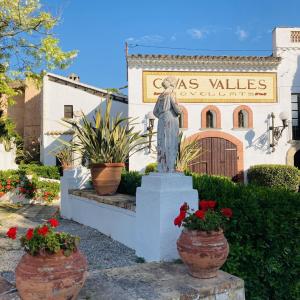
(106, 177)
(203, 252)
(51, 276)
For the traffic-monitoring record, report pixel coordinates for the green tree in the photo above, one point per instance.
(28, 46)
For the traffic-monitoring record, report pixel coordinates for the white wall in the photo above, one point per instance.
(7, 159)
(255, 142)
(55, 96)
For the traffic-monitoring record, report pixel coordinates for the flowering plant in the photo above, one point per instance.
(208, 218)
(44, 239)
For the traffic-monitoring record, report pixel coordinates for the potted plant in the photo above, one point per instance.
(52, 267)
(202, 245)
(106, 142)
(65, 156)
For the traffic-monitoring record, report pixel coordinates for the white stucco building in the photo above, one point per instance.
(227, 103)
(64, 97)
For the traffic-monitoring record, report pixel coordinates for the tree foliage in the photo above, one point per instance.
(28, 46)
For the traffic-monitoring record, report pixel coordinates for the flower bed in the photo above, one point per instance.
(18, 187)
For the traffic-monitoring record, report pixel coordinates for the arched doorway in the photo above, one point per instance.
(222, 154)
(297, 159)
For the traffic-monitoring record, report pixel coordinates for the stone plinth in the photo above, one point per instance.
(165, 281)
(157, 204)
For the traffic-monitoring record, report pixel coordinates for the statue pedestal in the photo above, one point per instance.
(158, 201)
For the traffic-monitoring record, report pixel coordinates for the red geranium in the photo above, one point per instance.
(227, 212)
(12, 233)
(200, 214)
(178, 220)
(184, 207)
(53, 222)
(211, 204)
(29, 234)
(207, 204)
(43, 230)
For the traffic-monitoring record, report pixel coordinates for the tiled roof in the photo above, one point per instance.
(273, 59)
(87, 87)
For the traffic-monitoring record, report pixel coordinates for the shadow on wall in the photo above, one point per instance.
(262, 142)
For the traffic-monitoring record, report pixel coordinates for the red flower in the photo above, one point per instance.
(211, 204)
(53, 222)
(204, 205)
(184, 207)
(12, 233)
(43, 230)
(200, 214)
(207, 204)
(178, 220)
(8, 187)
(227, 212)
(29, 234)
(8, 181)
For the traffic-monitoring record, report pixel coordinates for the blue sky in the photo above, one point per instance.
(99, 29)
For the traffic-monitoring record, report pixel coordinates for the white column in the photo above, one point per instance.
(158, 201)
(76, 178)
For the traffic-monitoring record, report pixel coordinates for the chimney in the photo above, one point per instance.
(74, 77)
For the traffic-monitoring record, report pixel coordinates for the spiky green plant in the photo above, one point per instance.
(188, 150)
(106, 139)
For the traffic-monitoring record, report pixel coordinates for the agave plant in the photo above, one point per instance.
(188, 151)
(106, 139)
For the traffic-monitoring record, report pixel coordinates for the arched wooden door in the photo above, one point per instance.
(219, 157)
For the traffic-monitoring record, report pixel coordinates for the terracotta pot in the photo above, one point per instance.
(51, 276)
(106, 177)
(203, 252)
(66, 166)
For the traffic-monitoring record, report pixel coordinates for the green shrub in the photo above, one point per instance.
(152, 167)
(263, 236)
(51, 172)
(278, 176)
(129, 182)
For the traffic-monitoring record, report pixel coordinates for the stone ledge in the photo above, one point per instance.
(118, 200)
(160, 281)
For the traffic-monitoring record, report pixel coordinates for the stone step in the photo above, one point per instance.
(159, 281)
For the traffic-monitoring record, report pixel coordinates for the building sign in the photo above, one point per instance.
(197, 87)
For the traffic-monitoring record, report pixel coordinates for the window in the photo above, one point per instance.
(243, 119)
(68, 111)
(295, 36)
(210, 119)
(295, 116)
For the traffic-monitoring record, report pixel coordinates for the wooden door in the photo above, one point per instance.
(219, 157)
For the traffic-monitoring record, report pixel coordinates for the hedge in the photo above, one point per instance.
(263, 234)
(129, 182)
(278, 176)
(51, 172)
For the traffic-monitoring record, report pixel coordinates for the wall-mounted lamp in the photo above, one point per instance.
(276, 131)
(150, 125)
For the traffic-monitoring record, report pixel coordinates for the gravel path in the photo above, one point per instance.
(101, 251)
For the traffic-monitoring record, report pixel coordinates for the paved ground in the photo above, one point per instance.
(101, 251)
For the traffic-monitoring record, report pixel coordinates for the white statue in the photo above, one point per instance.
(167, 111)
